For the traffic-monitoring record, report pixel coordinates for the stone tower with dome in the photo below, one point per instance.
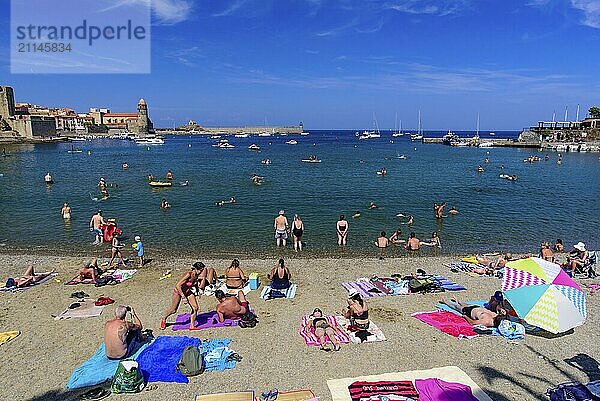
(142, 126)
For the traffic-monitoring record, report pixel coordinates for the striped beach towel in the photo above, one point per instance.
(364, 287)
(445, 283)
(311, 340)
(289, 293)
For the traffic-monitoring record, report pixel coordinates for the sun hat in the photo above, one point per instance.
(580, 246)
(352, 293)
(138, 238)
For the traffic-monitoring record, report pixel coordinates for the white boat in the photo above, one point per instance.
(311, 160)
(399, 132)
(305, 133)
(371, 134)
(254, 147)
(77, 139)
(419, 134)
(561, 148)
(492, 133)
(150, 141)
(416, 137)
(225, 145)
(292, 142)
(264, 134)
(215, 136)
(401, 157)
(242, 135)
(486, 145)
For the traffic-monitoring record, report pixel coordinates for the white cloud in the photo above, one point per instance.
(428, 7)
(166, 12)
(591, 11)
(236, 5)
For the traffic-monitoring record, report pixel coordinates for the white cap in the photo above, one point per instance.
(352, 293)
(580, 246)
(138, 238)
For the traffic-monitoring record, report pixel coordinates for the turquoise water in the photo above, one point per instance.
(547, 202)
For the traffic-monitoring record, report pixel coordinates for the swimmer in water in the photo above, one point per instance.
(169, 175)
(356, 214)
(66, 211)
(480, 169)
(48, 179)
(486, 161)
(164, 204)
(395, 238)
(410, 221)
(372, 205)
(184, 183)
(256, 179)
(453, 211)
(125, 166)
(150, 178)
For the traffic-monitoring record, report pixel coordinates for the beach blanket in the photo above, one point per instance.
(311, 340)
(239, 396)
(445, 283)
(451, 374)
(289, 293)
(447, 322)
(8, 336)
(364, 287)
(15, 289)
(575, 391)
(390, 286)
(465, 267)
(207, 320)
(158, 362)
(87, 308)
(228, 291)
(298, 395)
(98, 368)
(216, 354)
(374, 333)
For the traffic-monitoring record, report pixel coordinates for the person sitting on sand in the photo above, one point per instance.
(280, 276)
(187, 289)
(28, 278)
(318, 323)
(546, 252)
(90, 270)
(578, 257)
(453, 211)
(413, 243)
(476, 314)
(558, 246)
(396, 237)
(121, 337)
(357, 311)
(231, 307)
(234, 276)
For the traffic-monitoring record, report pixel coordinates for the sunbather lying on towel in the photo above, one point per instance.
(280, 276)
(322, 328)
(231, 307)
(476, 314)
(357, 311)
(120, 335)
(28, 278)
(490, 266)
(90, 269)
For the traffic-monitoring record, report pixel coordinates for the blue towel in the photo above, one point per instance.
(446, 283)
(97, 369)
(158, 362)
(215, 353)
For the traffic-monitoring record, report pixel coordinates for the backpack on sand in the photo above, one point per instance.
(128, 378)
(191, 362)
(249, 320)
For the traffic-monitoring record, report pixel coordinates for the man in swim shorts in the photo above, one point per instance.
(231, 307)
(96, 224)
(281, 228)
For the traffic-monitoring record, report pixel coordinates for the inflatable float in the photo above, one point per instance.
(159, 184)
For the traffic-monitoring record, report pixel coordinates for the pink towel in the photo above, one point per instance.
(312, 340)
(448, 323)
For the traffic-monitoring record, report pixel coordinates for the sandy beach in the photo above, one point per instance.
(37, 364)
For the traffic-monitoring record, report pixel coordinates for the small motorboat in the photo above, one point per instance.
(292, 142)
(254, 147)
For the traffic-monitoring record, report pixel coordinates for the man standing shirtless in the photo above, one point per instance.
(120, 335)
(476, 314)
(231, 307)
(96, 224)
(281, 229)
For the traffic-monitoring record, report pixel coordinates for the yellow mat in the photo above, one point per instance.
(240, 396)
(300, 395)
(8, 335)
(339, 387)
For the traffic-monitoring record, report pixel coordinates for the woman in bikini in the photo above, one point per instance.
(234, 276)
(29, 277)
(342, 231)
(186, 289)
(321, 328)
(357, 311)
(297, 231)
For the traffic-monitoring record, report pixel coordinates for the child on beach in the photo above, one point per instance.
(139, 247)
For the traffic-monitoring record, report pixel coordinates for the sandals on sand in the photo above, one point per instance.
(94, 394)
(269, 395)
(163, 324)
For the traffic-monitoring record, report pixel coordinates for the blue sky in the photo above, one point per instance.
(333, 63)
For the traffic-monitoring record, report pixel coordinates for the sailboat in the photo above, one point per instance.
(371, 134)
(397, 133)
(419, 135)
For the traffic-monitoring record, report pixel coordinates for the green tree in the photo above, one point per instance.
(594, 112)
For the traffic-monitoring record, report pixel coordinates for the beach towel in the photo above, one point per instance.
(452, 374)
(575, 391)
(374, 333)
(364, 287)
(239, 396)
(87, 308)
(158, 362)
(465, 267)
(8, 336)
(447, 322)
(121, 274)
(228, 291)
(289, 293)
(311, 340)
(434, 389)
(98, 368)
(15, 289)
(207, 320)
(298, 395)
(392, 390)
(216, 354)
(383, 284)
(445, 283)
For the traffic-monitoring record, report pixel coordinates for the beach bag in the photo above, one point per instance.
(191, 362)
(128, 378)
(274, 294)
(249, 320)
(423, 285)
(511, 330)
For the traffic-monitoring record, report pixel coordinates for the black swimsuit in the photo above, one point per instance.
(468, 310)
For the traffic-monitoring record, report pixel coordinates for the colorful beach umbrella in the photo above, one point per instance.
(544, 295)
